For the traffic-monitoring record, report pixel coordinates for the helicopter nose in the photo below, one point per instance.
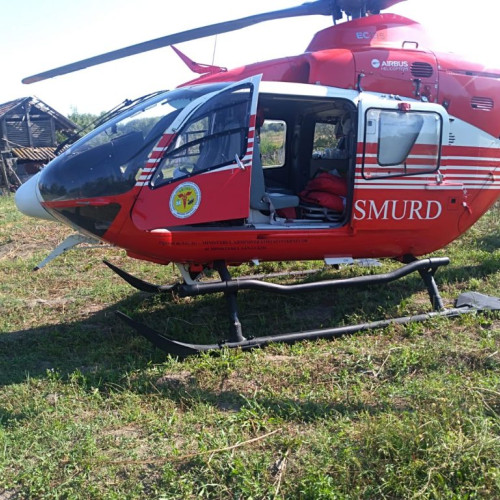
(28, 198)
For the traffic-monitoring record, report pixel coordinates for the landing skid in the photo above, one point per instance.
(141, 285)
(466, 303)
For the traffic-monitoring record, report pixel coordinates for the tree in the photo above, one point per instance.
(83, 120)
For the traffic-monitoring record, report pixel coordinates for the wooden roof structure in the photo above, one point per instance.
(28, 137)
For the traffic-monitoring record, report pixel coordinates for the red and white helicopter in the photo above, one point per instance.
(367, 145)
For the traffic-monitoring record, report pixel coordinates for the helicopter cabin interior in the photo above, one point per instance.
(303, 161)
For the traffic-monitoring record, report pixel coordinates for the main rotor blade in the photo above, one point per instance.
(319, 7)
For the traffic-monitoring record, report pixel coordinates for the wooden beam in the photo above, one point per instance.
(3, 168)
(27, 108)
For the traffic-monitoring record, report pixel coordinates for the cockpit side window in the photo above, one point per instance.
(212, 137)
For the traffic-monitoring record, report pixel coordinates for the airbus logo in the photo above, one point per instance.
(390, 65)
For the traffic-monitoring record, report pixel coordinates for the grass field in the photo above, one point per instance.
(90, 410)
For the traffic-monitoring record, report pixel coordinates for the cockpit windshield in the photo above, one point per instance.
(109, 160)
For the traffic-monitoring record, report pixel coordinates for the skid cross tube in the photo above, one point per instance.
(235, 332)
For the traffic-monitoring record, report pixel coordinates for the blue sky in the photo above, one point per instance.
(36, 36)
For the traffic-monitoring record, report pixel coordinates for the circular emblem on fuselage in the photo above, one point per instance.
(185, 200)
(375, 63)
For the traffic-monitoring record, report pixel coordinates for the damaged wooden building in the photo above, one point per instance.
(30, 131)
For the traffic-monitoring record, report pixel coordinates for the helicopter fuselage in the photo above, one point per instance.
(404, 140)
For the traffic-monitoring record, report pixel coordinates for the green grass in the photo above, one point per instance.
(90, 410)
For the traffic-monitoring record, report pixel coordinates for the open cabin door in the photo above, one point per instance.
(200, 169)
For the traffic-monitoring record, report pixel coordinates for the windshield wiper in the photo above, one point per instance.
(108, 115)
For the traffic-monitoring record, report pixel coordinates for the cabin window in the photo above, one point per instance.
(272, 143)
(325, 140)
(212, 137)
(401, 143)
